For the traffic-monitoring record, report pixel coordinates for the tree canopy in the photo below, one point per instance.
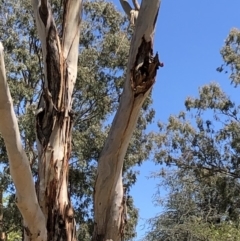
(199, 148)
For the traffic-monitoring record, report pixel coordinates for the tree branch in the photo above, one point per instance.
(131, 13)
(126, 7)
(26, 198)
(141, 73)
(136, 4)
(70, 41)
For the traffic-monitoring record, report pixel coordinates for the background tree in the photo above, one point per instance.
(196, 207)
(102, 63)
(201, 154)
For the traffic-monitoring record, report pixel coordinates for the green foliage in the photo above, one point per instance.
(203, 142)
(231, 55)
(14, 236)
(201, 152)
(12, 220)
(198, 207)
(201, 155)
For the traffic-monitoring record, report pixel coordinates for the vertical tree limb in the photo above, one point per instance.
(141, 73)
(54, 121)
(136, 4)
(26, 198)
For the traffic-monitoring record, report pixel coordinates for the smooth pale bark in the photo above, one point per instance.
(141, 73)
(54, 116)
(26, 198)
(54, 123)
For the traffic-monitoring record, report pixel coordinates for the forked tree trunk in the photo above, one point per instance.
(54, 218)
(109, 202)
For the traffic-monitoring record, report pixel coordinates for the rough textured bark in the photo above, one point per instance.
(54, 218)
(26, 198)
(54, 117)
(141, 73)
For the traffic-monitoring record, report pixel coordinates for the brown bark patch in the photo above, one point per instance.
(123, 216)
(145, 68)
(53, 61)
(43, 12)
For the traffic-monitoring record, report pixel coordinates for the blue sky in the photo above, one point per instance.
(189, 36)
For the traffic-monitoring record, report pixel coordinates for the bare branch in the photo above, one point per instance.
(126, 7)
(136, 4)
(70, 42)
(71, 29)
(131, 13)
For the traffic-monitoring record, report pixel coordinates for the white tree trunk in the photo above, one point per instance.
(54, 118)
(54, 124)
(26, 198)
(141, 73)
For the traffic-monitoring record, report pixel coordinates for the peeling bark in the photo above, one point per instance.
(53, 217)
(54, 117)
(145, 69)
(141, 73)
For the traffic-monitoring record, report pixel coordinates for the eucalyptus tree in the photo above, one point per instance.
(201, 148)
(201, 153)
(47, 210)
(197, 207)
